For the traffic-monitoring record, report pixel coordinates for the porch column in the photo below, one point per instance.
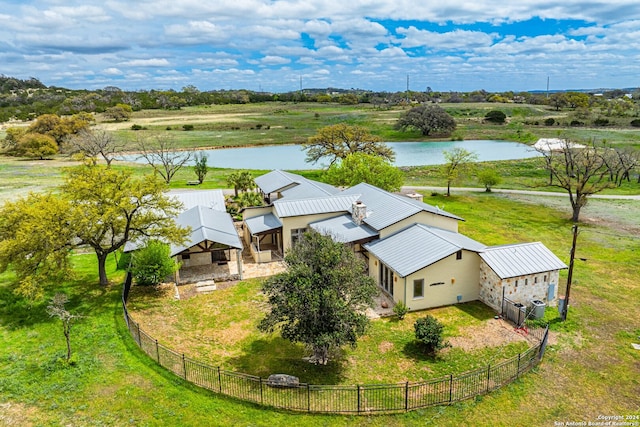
(239, 262)
(177, 273)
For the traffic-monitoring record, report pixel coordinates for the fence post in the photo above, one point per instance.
(157, 353)
(358, 397)
(406, 396)
(219, 380)
(184, 367)
(138, 327)
(308, 398)
(261, 397)
(488, 376)
(450, 388)
(518, 370)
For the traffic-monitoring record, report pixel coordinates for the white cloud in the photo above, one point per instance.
(153, 62)
(112, 71)
(274, 60)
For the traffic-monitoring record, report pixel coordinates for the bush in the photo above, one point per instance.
(600, 121)
(495, 116)
(152, 264)
(400, 310)
(429, 333)
(635, 123)
(550, 121)
(136, 127)
(187, 127)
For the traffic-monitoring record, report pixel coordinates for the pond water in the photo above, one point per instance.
(292, 157)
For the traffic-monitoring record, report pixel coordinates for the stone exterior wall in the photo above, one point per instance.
(522, 289)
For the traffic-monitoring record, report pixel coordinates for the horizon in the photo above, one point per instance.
(280, 46)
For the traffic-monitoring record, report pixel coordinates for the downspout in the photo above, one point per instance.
(405, 292)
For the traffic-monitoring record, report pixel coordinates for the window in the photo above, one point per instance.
(296, 235)
(418, 288)
(526, 282)
(186, 256)
(516, 283)
(545, 278)
(535, 279)
(459, 254)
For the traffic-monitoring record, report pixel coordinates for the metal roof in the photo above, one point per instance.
(317, 205)
(262, 223)
(419, 246)
(342, 229)
(293, 186)
(385, 209)
(213, 199)
(207, 224)
(521, 259)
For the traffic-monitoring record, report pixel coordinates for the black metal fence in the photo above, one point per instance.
(357, 399)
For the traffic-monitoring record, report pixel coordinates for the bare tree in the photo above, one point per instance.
(56, 309)
(96, 142)
(162, 155)
(580, 170)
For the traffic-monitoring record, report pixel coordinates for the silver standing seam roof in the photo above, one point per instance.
(385, 209)
(419, 246)
(213, 199)
(207, 224)
(342, 229)
(262, 223)
(299, 207)
(293, 186)
(521, 259)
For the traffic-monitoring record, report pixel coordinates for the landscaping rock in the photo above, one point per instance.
(283, 381)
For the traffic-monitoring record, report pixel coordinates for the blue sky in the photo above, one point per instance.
(270, 45)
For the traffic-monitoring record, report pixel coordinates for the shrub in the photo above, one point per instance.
(635, 123)
(428, 332)
(550, 121)
(576, 123)
(400, 310)
(187, 127)
(495, 116)
(136, 127)
(152, 264)
(601, 121)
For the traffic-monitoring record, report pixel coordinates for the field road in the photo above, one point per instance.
(411, 188)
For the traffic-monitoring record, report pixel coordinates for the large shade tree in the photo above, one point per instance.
(112, 208)
(338, 141)
(428, 119)
(361, 167)
(320, 300)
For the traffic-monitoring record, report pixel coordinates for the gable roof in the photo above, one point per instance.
(419, 246)
(385, 209)
(292, 185)
(207, 224)
(342, 229)
(262, 223)
(317, 205)
(521, 259)
(213, 199)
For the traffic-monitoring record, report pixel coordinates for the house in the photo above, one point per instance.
(413, 250)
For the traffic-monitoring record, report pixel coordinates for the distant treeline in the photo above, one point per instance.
(28, 99)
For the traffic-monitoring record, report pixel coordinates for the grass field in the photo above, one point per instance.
(590, 370)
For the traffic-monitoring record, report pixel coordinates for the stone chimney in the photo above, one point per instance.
(358, 212)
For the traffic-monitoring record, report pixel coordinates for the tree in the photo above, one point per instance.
(429, 119)
(240, 181)
(580, 170)
(458, 161)
(119, 112)
(56, 309)
(35, 240)
(489, 177)
(337, 141)
(162, 154)
(200, 168)
(496, 116)
(320, 300)
(111, 207)
(360, 167)
(36, 145)
(93, 143)
(428, 332)
(152, 263)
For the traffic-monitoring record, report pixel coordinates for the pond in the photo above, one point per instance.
(292, 157)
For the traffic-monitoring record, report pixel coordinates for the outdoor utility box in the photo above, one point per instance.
(537, 308)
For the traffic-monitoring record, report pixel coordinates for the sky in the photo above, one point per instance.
(281, 45)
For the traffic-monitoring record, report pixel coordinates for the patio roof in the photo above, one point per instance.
(263, 224)
(342, 229)
(207, 224)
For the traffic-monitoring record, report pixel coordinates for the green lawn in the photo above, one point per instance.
(590, 368)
